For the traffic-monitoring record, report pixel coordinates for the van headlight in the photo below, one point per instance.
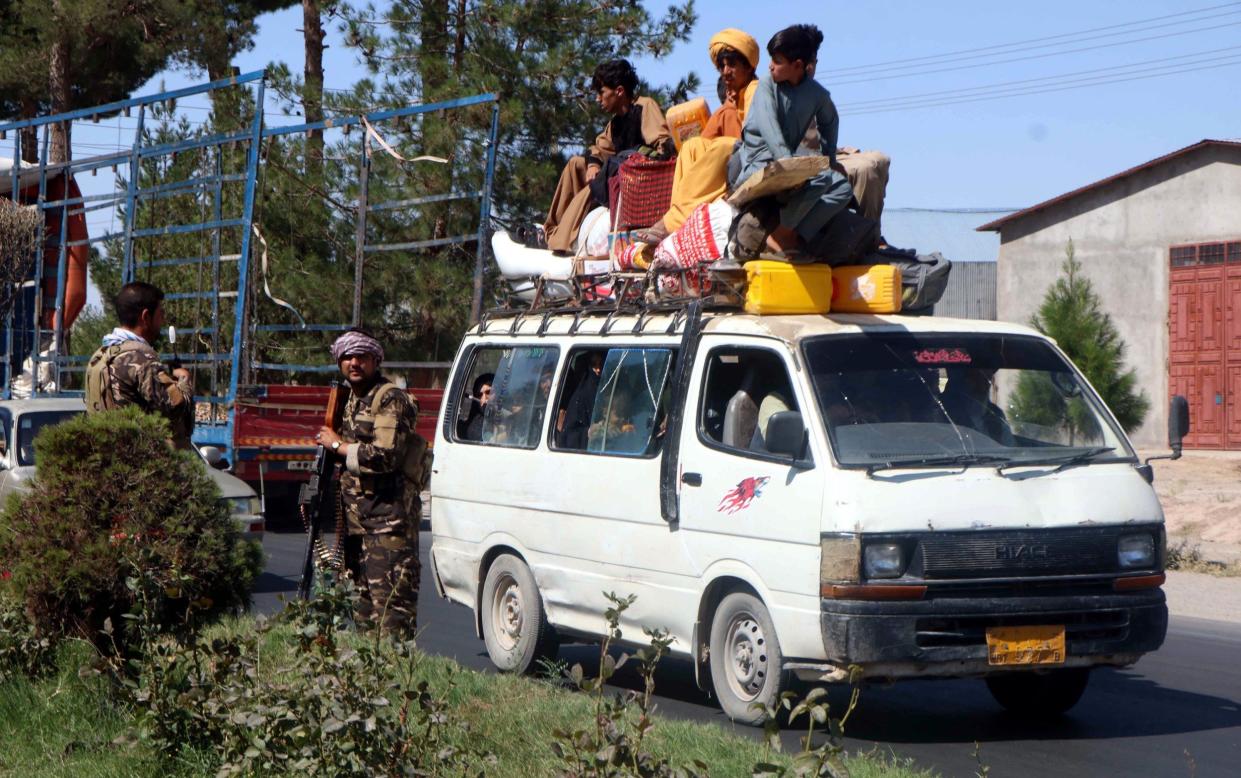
(883, 560)
(1133, 551)
(245, 506)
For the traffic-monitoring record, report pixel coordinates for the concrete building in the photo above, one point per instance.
(952, 232)
(1162, 244)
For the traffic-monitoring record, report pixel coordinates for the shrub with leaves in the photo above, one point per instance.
(115, 523)
(22, 652)
(613, 746)
(335, 704)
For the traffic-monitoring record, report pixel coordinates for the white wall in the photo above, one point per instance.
(1121, 233)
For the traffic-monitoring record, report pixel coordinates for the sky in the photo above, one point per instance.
(967, 97)
(989, 152)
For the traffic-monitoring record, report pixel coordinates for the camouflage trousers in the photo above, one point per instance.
(386, 569)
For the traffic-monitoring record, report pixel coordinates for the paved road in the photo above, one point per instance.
(1177, 713)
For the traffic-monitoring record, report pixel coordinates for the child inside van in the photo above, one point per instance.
(783, 107)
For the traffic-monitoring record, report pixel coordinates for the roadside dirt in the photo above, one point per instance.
(1201, 496)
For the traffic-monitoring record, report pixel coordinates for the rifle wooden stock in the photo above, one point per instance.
(317, 498)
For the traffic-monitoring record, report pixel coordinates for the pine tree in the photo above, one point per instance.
(1073, 315)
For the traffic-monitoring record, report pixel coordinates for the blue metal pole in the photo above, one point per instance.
(243, 270)
(217, 214)
(484, 216)
(58, 317)
(108, 108)
(9, 317)
(37, 314)
(131, 190)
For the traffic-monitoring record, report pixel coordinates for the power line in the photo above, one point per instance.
(1003, 85)
(1045, 90)
(928, 58)
(1037, 56)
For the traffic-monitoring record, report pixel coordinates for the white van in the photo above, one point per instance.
(917, 496)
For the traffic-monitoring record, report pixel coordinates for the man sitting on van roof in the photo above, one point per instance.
(784, 106)
(702, 167)
(636, 121)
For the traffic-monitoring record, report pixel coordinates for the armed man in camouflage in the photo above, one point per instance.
(127, 371)
(384, 469)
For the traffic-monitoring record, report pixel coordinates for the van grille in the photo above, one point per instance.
(972, 630)
(1005, 553)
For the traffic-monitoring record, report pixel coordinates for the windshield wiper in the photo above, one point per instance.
(1062, 462)
(964, 461)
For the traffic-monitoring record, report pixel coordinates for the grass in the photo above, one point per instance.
(66, 725)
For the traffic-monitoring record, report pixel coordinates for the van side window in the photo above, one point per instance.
(505, 395)
(743, 389)
(613, 401)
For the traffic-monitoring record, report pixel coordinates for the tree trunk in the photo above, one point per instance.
(312, 90)
(30, 135)
(58, 87)
(458, 52)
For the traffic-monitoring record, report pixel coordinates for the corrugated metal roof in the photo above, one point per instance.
(952, 232)
(998, 223)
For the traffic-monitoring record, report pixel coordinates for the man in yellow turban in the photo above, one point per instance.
(702, 167)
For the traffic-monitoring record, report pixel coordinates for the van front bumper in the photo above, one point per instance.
(917, 637)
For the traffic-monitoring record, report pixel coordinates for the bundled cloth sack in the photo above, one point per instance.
(592, 238)
(924, 277)
(701, 240)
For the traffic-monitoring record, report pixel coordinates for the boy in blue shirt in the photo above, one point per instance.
(781, 112)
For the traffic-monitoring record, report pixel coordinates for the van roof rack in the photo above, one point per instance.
(642, 294)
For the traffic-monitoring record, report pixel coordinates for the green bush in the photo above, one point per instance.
(22, 652)
(337, 704)
(116, 526)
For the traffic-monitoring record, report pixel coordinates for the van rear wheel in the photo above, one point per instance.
(1039, 695)
(515, 627)
(746, 663)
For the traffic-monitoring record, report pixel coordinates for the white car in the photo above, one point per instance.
(21, 421)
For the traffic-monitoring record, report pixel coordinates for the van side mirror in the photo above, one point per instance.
(787, 435)
(1178, 428)
(1178, 423)
(214, 456)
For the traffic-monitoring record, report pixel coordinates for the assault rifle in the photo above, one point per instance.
(317, 499)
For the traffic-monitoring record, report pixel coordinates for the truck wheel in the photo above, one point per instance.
(515, 626)
(745, 657)
(1039, 695)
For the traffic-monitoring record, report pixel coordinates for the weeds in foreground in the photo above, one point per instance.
(339, 707)
(1188, 558)
(615, 746)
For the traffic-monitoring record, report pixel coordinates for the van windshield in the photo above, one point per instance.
(935, 399)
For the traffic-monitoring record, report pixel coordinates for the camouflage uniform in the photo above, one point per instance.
(382, 508)
(130, 373)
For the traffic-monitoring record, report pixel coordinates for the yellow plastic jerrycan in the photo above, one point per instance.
(866, 289)
(777, 287)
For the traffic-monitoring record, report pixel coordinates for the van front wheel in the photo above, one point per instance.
(745, 658)
(515, 626)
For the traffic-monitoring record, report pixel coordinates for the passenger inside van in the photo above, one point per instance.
(967, 400)
(573, 421)
(471, 426)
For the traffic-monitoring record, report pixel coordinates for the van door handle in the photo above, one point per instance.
(691, 479)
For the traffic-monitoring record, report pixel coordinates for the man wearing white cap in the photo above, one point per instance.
(384, 468)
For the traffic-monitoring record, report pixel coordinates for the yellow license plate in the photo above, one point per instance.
(1025, 645)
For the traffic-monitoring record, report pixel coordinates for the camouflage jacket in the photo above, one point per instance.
(378, 496)
(132, 374)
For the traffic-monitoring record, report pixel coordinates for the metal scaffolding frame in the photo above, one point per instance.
(217, 430)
